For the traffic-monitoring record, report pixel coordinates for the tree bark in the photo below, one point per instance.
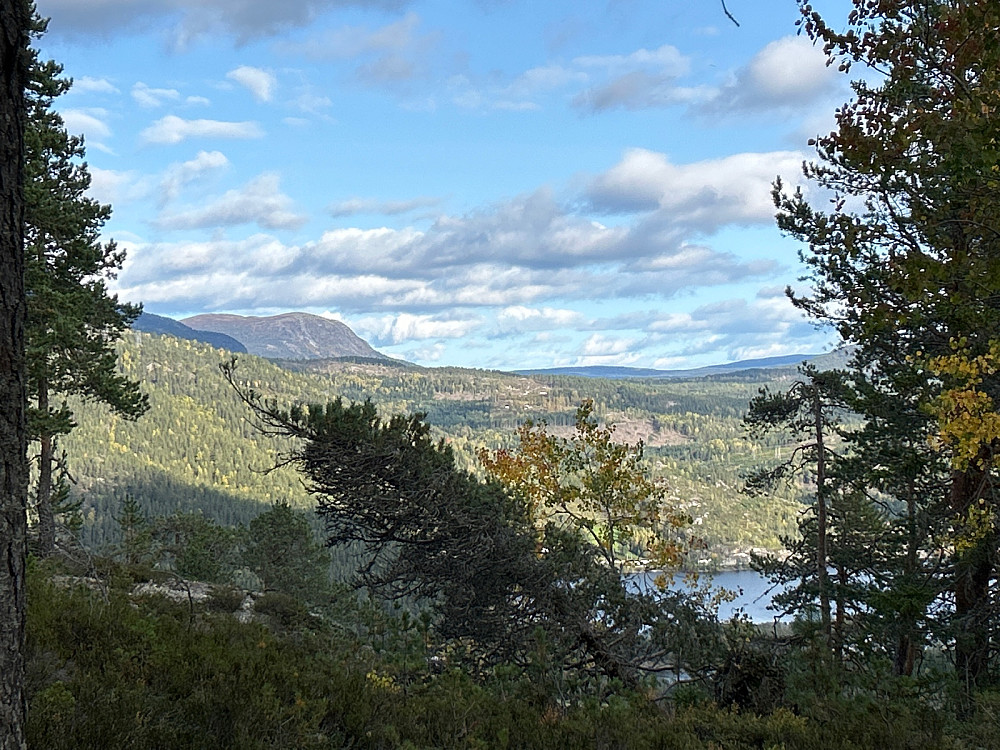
(973, 572)
(822, 578)
(13, 393)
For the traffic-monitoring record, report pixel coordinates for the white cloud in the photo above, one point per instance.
(90, 85)
(638, 80)
(788, 73)
(116, 188)
(259, 202)
(389, 330)
(183, 173)
(354, 206)
(388, 55)
(146, 96)
(89, 122)
(703, 195)
(600, 345)
(260, 83)
(172, 129)
(518, 319)
(350, 42)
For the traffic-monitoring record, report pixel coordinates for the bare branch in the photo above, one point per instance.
(728, 14)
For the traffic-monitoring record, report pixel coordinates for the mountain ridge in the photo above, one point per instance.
(151, 323)
(825, 361)
(293, 335)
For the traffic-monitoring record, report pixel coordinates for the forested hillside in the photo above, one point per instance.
(196, 450)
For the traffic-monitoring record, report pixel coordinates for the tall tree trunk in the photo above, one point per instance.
(13, 393)
(906, 646)
(973, 571)
(43, 493)
(822, 578)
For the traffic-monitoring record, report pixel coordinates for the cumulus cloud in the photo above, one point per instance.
(599, 345)
(171, 130)
(117, 187)
(243, 19)
(389, 330)
(515, 255)
(788, 73)
(259, 202)
(355, 206)
(183, 173)
(146, 96)
(519, 319)
(90, 85)
(702, 195)
(638, 80)
(260, 83)
(765, 326)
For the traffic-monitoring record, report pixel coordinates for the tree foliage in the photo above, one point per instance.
(595, 487)
(437, 536)
(904, 264)
(72, 320)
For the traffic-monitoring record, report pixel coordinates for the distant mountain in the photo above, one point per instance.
(288, 336)
(823, 361)
(149, 323)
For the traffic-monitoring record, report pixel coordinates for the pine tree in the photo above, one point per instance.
(904, 262)
(282, 551)
(73, 322)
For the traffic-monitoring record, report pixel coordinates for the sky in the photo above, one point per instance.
(500, 184)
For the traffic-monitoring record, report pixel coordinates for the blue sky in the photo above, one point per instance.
(486, 183)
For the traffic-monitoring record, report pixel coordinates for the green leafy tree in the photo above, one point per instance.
(72, 320)
(904, 262)
(196, 547)
(598, 488)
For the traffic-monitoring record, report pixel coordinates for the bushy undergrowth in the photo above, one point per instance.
(106, 670)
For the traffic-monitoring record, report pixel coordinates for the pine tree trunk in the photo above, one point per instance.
(43, 493)
(973, 571)
(906, 646)
(13, 394)
(822, 579)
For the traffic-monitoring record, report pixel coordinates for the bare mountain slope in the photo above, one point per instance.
(288, 336)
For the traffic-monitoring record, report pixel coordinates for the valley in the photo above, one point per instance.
(196, 450)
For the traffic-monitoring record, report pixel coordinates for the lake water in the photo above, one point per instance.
(753, 592)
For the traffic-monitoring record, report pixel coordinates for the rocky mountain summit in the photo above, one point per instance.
(288, 336)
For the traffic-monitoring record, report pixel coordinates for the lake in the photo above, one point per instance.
(753, 592)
